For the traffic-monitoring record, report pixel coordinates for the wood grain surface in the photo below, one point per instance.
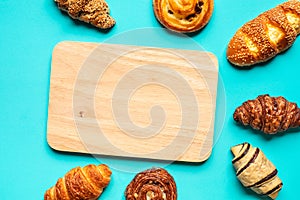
(132, 101)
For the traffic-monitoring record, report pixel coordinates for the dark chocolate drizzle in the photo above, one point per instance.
(284, 116)
(274, 189)
(250, 161)
(243, 154)
(248, 108)
(270, 176)
(263, 108)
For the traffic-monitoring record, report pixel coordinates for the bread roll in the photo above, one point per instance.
(265, 36)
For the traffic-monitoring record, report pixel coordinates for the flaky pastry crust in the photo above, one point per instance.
(268, 114)
(85, 183)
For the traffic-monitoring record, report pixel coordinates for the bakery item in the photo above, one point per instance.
(85, 183)
(152, 184)
(95, 12)
(265, 36)
(268, 114)
(255, 171)
(183, 16)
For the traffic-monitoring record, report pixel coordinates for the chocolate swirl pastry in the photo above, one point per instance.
(268, 114)
(255, 171)
(183, 15)
(152, 184)
(95, 12)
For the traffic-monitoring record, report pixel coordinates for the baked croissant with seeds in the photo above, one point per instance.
(85, 183)
(152, 184)
(255, 171)
(265, 36)
(95, 12)
(268, 114)
(183, 16)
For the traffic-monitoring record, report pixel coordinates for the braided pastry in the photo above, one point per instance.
(152, 184)
(183, 15)
(85, 183)
(268, 114)
(265, 36)
(255, 171)
(95, 12)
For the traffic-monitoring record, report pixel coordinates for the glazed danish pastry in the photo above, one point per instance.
(255, 171)
(183, 15)
(152, 184)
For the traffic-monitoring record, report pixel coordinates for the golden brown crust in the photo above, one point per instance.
(182, 15)
(255, 171)
(85, 183)
(95, 12)
(268, 114)
(154, 184)
(265, 36)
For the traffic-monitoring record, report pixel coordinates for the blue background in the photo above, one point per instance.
(30, 29)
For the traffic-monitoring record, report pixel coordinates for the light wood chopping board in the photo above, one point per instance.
(132, 101)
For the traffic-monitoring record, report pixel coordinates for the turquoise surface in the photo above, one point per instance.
(30, 29)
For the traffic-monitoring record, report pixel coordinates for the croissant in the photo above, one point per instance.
(255, 171)
(85, 183)
(265, 36)
(95, 12)
(154, 184)
(268, 114)
(183, 15)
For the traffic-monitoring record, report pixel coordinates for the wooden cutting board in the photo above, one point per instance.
(132, 101)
